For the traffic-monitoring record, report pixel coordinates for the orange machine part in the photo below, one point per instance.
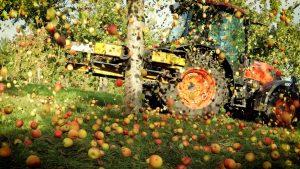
(197, 88)
(262, 72)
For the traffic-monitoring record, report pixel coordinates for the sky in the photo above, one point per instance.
(157, 17)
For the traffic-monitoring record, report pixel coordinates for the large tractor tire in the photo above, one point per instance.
(283, 107)
(202, 87)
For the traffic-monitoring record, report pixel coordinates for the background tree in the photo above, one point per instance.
(135, 43)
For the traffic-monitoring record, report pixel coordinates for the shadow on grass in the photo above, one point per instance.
(102, 98)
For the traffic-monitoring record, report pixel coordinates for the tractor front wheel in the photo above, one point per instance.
(202, 88)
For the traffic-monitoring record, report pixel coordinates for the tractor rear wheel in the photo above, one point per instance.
(202, 87)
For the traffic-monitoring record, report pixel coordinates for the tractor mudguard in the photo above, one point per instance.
(262, 98)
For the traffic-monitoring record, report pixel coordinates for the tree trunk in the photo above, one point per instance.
(135, 43)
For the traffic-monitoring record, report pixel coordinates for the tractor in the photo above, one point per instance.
(204, 67)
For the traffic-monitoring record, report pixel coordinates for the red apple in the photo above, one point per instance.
(181, 166)
(126, 152)
(23, 44)
(112, 29)
(237, 146)
(108, 106)
(207, 148)
(58, 134)
(2, 88)
(73, 134)
(158, 141)
(33, 161)
(33, 125)
(186, 160)
(119, 82)
(5, 152)
(36, 133)
(170, 102)
(99, 135)
(229, 163)
(215, 148)
(228, 127)
(27, 142)
(242, 125)
(51, 27)
(125, 132)
(145, 116)
(19, 123)
(58, 87)
(267, 141)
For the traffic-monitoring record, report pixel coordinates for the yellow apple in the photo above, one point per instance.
(68, 142)
(94, 153)
(155, 161)
(82, 133)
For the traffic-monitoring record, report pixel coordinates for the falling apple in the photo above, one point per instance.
(58, 86)
(119, 82)
(112, 29)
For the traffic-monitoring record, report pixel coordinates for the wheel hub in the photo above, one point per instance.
(197, 88)
(283, 106)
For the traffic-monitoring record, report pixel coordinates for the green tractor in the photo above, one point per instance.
(203, 68)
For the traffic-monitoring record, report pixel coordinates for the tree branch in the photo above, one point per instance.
(294, 7)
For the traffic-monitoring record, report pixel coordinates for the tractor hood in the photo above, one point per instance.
(262, 72)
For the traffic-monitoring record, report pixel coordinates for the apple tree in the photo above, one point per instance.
(135, 43)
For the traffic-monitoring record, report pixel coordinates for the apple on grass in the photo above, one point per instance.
(229, 163)
(36, 133)
(33, 125)
(5, 152)
(215, 148)
(126, 152)
(94, 153)
(58, 133)
(82, 134)
(250, 157)
(19, 123)
(67, 142)
(155, 161)
(33, 161)
(186, 160)
(275, 155)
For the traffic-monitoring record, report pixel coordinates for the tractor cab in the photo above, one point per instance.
(217, 25)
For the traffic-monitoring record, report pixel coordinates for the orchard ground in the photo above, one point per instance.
(118, 140)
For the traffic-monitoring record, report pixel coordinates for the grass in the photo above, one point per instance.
(40, 103)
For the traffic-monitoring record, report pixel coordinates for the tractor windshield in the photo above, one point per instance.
(227, 31)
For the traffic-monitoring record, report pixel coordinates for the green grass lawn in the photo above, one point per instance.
(170, 137)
